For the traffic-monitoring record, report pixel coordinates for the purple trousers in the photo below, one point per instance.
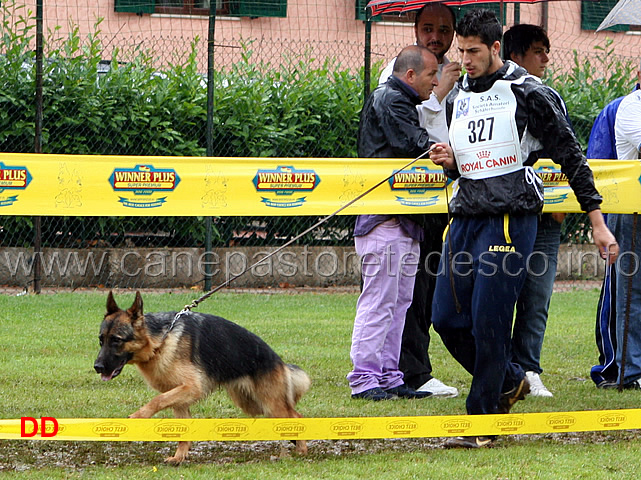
(389, 259)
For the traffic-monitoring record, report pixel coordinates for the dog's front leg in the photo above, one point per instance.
(183, 447)
(180, 397)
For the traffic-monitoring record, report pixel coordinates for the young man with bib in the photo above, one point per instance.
(499, 117)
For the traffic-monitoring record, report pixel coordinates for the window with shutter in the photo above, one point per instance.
(593, 13)
(258, 8)
(135, 6)
(240, 8)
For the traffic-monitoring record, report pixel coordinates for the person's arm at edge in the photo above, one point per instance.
(603, 238)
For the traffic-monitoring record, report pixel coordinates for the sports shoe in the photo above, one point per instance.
(438, 389)
(508, 399)
(537, 389)
(611, 385)
(403, 391)
(635, 385)
(374, 394)
(468, 442)
(607, 384)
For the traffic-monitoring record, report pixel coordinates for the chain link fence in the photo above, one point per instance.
(120, 81)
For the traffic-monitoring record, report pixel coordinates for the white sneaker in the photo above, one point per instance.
(537, 389)
(438, 389)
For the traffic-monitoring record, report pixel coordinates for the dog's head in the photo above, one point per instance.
(120, 337)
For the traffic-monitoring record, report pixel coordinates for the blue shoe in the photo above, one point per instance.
(403, 391)
(375, 395)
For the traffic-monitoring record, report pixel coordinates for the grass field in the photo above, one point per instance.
(48, 344)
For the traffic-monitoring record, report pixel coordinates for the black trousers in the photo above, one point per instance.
(415, 359)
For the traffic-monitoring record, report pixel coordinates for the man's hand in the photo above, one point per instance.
(603, 238)
(442, 155)
(449, 76)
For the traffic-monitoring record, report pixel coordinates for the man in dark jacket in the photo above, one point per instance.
(388, 244)
(498, 117)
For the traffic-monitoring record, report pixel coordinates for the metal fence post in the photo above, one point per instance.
(368, 53)
(210, 126)
(37, 250)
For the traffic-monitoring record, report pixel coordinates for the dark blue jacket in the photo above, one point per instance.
(602, 143)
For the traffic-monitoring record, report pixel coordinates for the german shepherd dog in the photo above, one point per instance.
(201, 353)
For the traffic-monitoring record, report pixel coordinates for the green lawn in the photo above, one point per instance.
(48, 344)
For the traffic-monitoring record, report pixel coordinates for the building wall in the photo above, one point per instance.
(325, 29)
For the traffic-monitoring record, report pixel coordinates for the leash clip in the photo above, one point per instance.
(186, 309)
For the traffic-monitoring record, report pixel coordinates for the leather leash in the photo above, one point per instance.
(196, 302)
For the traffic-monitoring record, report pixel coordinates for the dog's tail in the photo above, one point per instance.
(298, 383)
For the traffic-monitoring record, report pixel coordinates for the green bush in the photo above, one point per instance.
(256, 111)
(294, 110)
(297, 109)
(586, 88)
(128, 110)
(302, 108)
(590, 85)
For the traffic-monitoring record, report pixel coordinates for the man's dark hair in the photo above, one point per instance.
(481, 23)
(410, 58)
(519, 38)
(432, 5)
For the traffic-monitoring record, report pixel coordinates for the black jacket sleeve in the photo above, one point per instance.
(547, 122)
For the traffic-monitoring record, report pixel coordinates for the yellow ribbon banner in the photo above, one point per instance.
(243, 429)
(81, 185)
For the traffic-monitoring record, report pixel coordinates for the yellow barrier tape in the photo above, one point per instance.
(243, 429)
(83, 185)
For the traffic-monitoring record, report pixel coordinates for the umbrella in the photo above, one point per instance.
(625, 12)
(401, 6)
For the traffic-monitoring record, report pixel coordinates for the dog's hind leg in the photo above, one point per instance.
(284, 411)
(274, 393)
(267, 395)
(183, 447)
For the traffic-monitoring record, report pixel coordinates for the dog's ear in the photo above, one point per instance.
(112, 306)
(136, 308)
